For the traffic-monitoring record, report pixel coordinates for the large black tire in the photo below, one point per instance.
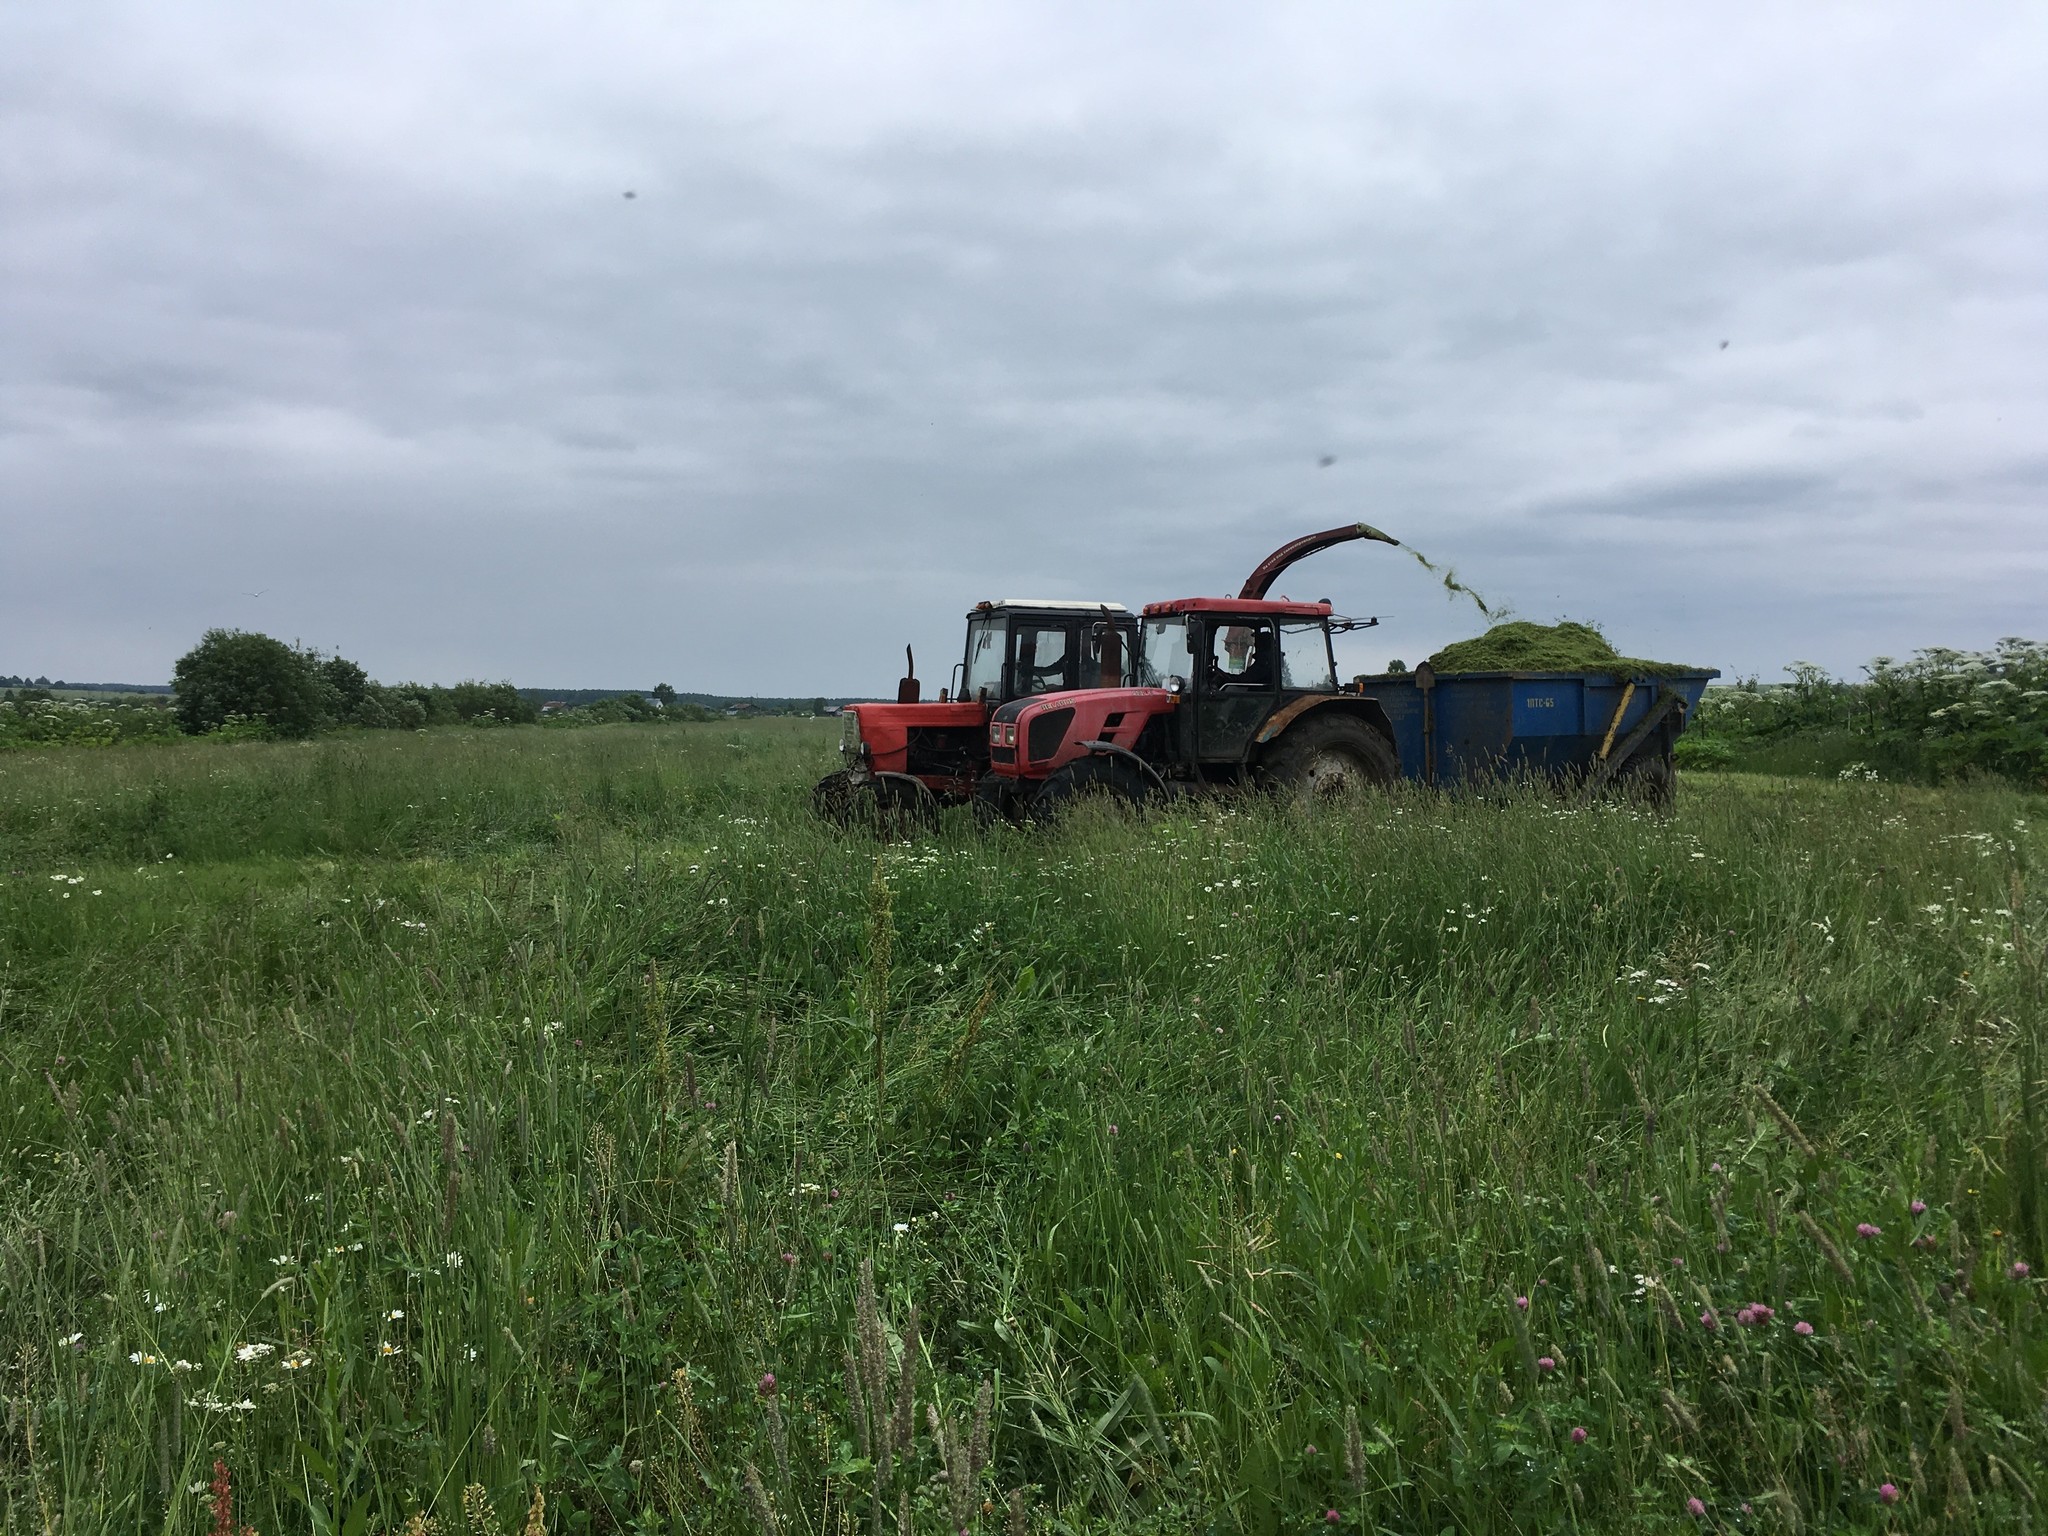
(1328, 755)
(995, 803)
(1648, 780)
(834, 796)
(885, 808)
(1098, 779)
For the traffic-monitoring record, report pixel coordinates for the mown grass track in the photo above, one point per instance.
(1190, 1136)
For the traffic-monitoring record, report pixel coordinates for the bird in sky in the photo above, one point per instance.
(1724, 346)
(631, 195)
(255, 594)
(1326, 461)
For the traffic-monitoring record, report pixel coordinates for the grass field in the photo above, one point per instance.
(402, 1125)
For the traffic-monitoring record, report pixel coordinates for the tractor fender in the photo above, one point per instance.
(1111, 749)
(910, 781)
(1366, 709)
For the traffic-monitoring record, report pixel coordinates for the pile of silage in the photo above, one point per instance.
(1518, 646)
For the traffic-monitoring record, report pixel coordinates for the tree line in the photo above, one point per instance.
(237, 682)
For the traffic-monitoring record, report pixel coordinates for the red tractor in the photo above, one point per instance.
(1227, 691)
(904, 762)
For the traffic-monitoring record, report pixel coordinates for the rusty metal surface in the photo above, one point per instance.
(1288, 713)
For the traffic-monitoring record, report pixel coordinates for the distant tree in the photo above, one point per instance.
(42, 682)
(817, 706)
(235, 672)
(664, 695)
(345, 685)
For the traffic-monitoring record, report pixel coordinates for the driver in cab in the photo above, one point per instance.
(1241, 664)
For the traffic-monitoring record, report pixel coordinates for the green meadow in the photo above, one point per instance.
(518, 1130)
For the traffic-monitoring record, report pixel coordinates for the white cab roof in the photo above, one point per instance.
(1044, 603)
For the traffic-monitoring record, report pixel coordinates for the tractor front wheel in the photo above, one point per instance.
(1329, 756)
(882, 806)
(1094, 780)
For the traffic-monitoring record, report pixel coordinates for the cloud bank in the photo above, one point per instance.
(340, 324)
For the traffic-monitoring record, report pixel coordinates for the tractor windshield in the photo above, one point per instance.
(987, 641)
(1305, 657)
(1165, 652)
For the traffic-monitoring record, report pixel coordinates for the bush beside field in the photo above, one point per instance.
(390, 1118)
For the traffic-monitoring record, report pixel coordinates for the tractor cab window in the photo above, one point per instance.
(1106, 647)
(1045, 659)
(1163, 655)
(987, 640)
(1305, 658)
(1241, 657)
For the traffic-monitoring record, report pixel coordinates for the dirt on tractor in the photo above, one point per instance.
(1519, 646)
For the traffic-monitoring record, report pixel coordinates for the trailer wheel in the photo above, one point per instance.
(1648, 780)
(1328, 756)
(1093, 780)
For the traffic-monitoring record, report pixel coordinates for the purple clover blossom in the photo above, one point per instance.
(1918, 1207)
(768, 1384)
(1521, 1303)
(1578, 1434)
(1545, 1364)
(1803, 1328)
(1695, 1507)
(1708, 1321)
(1868, 1229)
(1888, 1492)
(2020, 1269)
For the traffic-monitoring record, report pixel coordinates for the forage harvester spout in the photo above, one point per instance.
(1261, 580)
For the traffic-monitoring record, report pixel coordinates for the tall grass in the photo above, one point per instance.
(508, 1110)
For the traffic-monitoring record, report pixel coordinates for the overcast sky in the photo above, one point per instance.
(338, 322)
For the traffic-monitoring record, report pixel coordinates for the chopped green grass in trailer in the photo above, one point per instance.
(1519, 646)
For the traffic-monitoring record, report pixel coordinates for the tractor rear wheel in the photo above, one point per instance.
(1094, 780)
(1329, 756)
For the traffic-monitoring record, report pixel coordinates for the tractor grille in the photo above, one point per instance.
(1002, 754)
(1046, 732)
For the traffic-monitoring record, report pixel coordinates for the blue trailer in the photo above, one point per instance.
(1581, 727)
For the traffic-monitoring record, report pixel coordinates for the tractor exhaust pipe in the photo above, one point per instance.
(1261, 580)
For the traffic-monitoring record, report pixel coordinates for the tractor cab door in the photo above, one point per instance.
(1237, 686)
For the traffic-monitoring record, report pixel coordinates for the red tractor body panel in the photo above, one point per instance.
(885, 731)
(1031, 738)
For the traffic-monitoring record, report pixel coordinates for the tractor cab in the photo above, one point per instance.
(902, 762)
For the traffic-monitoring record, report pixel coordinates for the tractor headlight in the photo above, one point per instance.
(849, 735)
